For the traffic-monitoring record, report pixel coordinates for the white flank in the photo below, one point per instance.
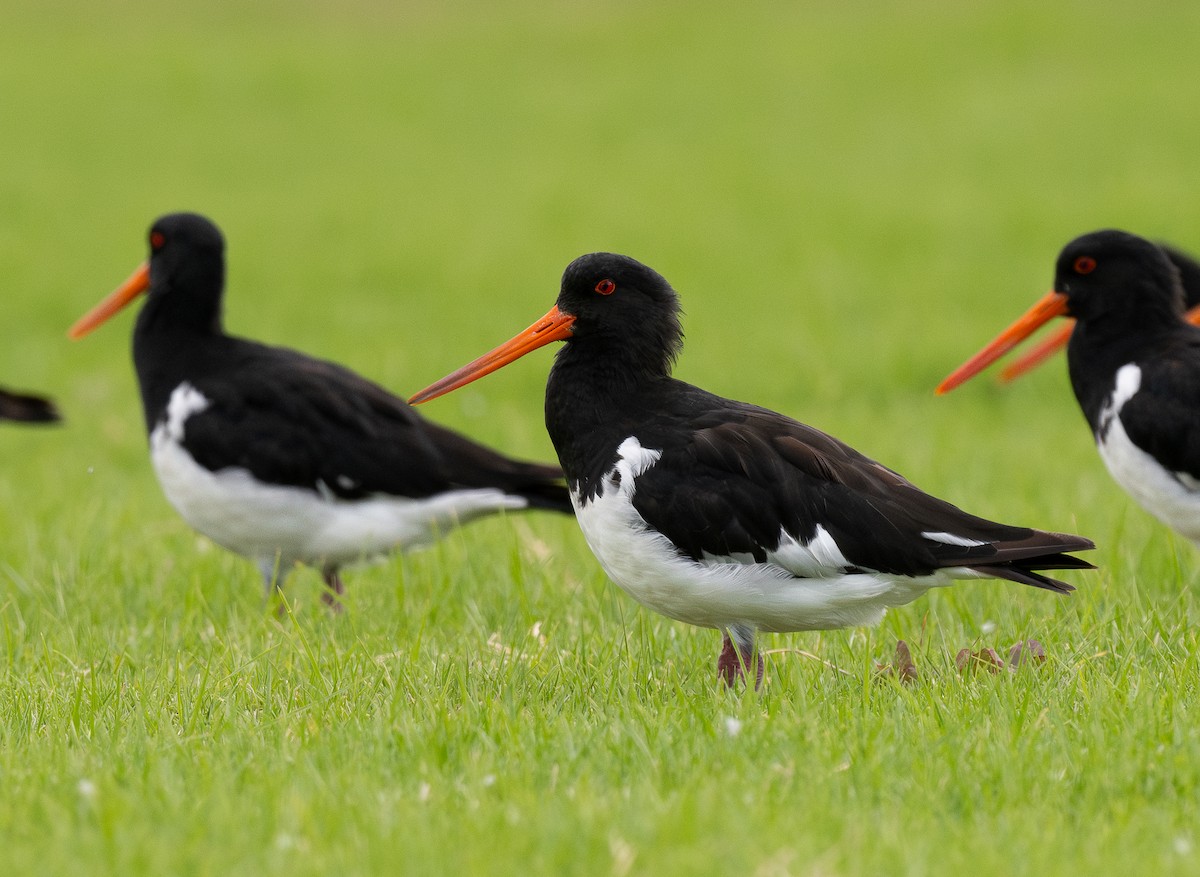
(1188, 481)
(819, 557)
(1169, 496)
(802, 586)
(265, 521)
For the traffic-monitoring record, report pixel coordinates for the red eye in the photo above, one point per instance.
(1085, 265)
(156, 240)
(606, 287)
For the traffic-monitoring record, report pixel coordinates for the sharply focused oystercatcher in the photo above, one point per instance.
(27, 408)
(726, 515)
(284, 458)
(1189, 277)
(1134, 363)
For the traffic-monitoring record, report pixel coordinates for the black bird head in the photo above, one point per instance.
(1115, 284)
(1115, 275)
(1189, 279)
(610, 308)
(184, 279)
(623, 307)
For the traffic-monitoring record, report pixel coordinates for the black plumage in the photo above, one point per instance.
(290, 421)
(1134, 364)
(27, 408)
(1129, 309)
(728, 483)
(293, 420)
(732, 475)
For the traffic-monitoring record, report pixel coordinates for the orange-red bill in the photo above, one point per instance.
(1049, 306)
(1042, 351)
(555, 326)
(138, 282)
(1054, 343)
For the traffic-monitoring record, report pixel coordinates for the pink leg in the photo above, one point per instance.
(335, 590)
(732, 664)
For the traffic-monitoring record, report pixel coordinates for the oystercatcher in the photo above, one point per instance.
(722, 514)
(285, 458)
(26, 408)
(1134, 364)
(1189, 276)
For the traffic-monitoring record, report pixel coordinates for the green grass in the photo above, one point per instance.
(850, 198)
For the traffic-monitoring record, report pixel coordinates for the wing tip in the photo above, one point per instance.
(27, 408)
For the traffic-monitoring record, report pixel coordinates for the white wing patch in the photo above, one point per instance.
(185, 401)
(1188, 480)
(819, 557)
(1125, 387)
(951, 539)
(633, 459)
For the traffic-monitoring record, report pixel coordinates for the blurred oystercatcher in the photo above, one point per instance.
(1134, 364)
(1189, 277)
(726, 515)
(284, 458)
(26, 408)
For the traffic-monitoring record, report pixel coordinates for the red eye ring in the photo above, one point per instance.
(606, 287)
(157, 239)
(1085, 265)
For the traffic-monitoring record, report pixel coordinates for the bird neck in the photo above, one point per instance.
(592, 400)
(174, 338)
(184, 302)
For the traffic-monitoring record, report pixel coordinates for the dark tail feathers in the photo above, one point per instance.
(1021, 563)
(27, 409)
(543, 486)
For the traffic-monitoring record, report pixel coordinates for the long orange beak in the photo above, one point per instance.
(1049, 306)
(1040, 352)
(555, 326)
(1056, 342)
(138, 282)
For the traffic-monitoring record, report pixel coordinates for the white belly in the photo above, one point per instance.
(1170, 497)
(728, 592)
(265, 522)
(1158, 491)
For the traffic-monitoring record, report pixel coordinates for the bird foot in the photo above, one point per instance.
(734, 661)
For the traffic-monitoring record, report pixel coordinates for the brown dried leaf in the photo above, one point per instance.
(961, 659)
(968, 661)
(903, 662)
(1028, 651)
(902, 665)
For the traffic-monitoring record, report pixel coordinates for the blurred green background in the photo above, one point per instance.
(849, 197)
